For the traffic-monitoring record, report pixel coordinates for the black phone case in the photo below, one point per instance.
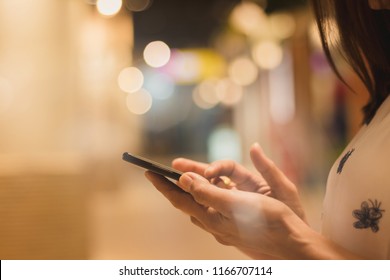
(152, 166)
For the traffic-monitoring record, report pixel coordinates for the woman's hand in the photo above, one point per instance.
(252, 222)
(269, 181)
(260, 214)
(251, 213)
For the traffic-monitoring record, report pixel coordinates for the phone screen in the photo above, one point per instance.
(152, 166)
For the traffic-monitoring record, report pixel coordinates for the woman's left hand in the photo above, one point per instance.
(269, 180)
(247, 220)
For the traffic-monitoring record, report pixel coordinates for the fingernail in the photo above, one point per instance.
(185, 182)
(256, 145)
(226, 180)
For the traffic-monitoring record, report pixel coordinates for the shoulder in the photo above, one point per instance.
(357, 201)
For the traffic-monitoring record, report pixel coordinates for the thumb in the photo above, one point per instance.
(207, 194)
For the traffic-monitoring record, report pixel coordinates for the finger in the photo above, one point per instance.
(216, 235)
(187, 165)
(214, 223)
(207, 194)
(281, 187)
(227, 168)
(243, 179)
(212, 220)
(178, 198)
(266, 167)
(223, 182)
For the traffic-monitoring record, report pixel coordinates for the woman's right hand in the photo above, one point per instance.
(269, 181)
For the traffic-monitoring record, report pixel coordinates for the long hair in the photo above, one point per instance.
(364, 42)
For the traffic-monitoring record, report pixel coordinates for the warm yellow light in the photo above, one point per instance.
(205, 94)
(139, 102)
(282, 25)
(200, 102)
(229, 93)
(243, 71)
(248, 18)
(157, 54)
(130, 79)
(213, 65)
(267, 54)
(108, 7)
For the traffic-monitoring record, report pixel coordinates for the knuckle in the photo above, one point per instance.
(230, 167)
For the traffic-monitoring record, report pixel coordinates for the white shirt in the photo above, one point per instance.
(356, 213)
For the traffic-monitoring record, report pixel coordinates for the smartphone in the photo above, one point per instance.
(152, 166)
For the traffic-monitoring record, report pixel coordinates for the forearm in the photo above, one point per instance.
(306, 243)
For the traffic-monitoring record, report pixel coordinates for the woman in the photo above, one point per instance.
(261, 213)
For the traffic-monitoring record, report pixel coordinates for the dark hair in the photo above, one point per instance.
(364, 42)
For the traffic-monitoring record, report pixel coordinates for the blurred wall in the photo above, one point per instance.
(62, 121)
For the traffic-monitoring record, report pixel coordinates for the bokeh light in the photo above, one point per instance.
(243, 71)
(130, 79)
(157, 54)
(267, 54)
(108, 7)
(139, 102)
(248, 18)
(282, 25)
(205, 94)
(228, 92)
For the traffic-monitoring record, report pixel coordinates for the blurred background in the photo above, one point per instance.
(82, 81)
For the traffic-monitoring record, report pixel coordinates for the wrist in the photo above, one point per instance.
(308, 244)
(302, 241)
